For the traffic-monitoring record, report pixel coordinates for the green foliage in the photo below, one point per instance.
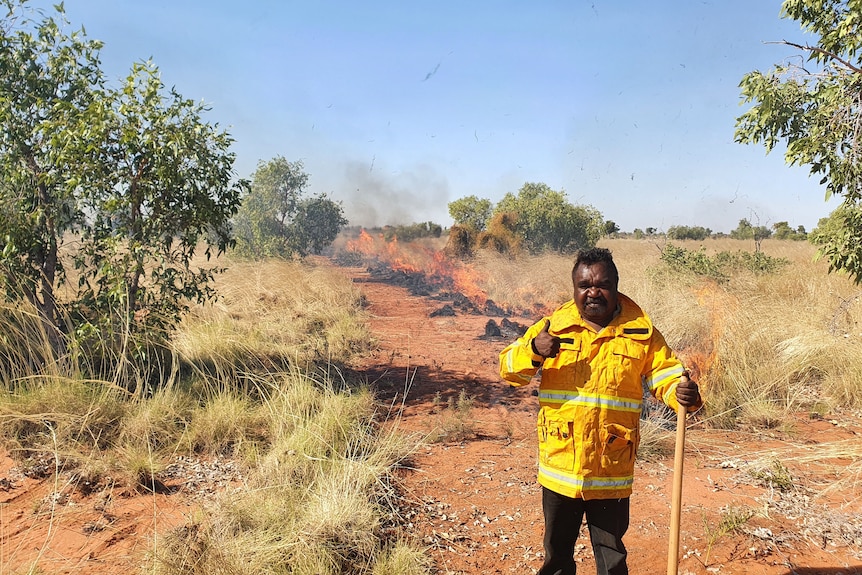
(688, 233)
(611, 228)
(814, 110)
(277, 219)
(49, 82)
(471, 212)
(746, 231)
(775, 475)
(638, 233)
(316, 224)
(124, 184)
(695, 262)
(412, 231)
(783, 231)
(719, 266)
(838, 239)
(548, 221)
(168, 177)
(755, 262)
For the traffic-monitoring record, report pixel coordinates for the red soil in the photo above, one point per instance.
(474, 500)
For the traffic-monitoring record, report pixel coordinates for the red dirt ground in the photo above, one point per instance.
(472, 495)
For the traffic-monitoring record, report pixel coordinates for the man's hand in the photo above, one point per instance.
(687, 393)
(545, 344)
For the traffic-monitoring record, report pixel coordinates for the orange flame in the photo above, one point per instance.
(703, 356)
(364, 244)
(439, 270)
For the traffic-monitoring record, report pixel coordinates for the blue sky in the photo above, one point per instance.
(397, 108)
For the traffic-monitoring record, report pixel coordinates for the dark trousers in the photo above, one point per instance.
(607, 520)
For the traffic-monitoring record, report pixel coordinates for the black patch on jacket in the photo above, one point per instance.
(567, 340)
(636, 330)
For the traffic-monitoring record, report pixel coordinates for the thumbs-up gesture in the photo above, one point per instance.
(544, 343)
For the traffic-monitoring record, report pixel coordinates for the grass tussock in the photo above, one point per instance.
(657, 440)
(273, 314)
(318, 499)
(455, 419)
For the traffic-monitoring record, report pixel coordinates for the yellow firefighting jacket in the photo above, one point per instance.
(590, 396)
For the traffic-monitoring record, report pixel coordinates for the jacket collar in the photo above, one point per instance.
(632, 322)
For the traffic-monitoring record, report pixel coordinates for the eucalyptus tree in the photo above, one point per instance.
(814, 106)
(278, 218)
(548, 221)
(472, 212)
(107, 193)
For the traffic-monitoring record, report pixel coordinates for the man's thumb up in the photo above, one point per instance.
(544, 343)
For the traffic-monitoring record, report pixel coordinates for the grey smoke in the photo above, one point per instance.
(373, 198)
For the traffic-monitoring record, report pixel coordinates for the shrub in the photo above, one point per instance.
(719, 266)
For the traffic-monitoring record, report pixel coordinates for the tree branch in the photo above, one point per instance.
(827, 53)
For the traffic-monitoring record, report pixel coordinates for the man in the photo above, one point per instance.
(596, 352)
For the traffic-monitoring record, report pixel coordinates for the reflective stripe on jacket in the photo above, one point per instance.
(590, 396)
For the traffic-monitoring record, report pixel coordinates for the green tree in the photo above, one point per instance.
(783, 231)
(611, 228)
(318, 221)
(743, 231)
(471, 212)
(688, 233)
(837, 230)
(547, 220)
(276, 218)
(746, 231)
(814, 110)
(412, 232)
(42, 94)
(124, 184)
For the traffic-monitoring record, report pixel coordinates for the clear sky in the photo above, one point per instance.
(398, 108)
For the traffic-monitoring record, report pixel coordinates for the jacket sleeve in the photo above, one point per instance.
(664, 371)
(518, 363)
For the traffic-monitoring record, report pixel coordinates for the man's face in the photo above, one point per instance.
(595, 293)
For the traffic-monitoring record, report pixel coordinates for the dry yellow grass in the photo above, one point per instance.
(274, 313)
(763, 345)
(315, 498)
(252, 380)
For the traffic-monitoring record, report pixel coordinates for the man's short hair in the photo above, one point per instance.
(594, 256)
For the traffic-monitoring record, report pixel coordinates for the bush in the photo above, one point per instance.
(546, 220)
(412, 232)
(502, 235)
(276, 218)
(697, 263)
(718, 266)
(461, 242)
(688, 233)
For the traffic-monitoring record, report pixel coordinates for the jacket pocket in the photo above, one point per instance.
(556, 443)
(619, 446)
(627, 358)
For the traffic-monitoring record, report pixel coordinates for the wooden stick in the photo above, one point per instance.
(676, 501)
